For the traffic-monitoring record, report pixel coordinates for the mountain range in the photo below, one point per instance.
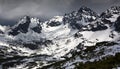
(82, 39)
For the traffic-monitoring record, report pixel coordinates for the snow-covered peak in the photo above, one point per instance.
(54, 22)
(57, 18)
(3, 28)
(29, 20)
(83, 13)
(25, 19)
(34, 22)
(25, 25)
(87, 11)
(83, 16)
(21, 27)
(114, 9)
(112, 12)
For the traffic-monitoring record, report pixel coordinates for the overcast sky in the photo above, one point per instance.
(12, 10)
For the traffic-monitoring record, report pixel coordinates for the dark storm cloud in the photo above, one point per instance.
(13, 9)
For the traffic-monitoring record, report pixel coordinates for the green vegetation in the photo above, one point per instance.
(106, 63)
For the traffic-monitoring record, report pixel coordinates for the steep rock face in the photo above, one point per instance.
(111, 15)
(110, 12)
(21, 27)
(81, 17)
(117, 24)
(25, 25)
(37, 29)
(98, 26)
(35, 25)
